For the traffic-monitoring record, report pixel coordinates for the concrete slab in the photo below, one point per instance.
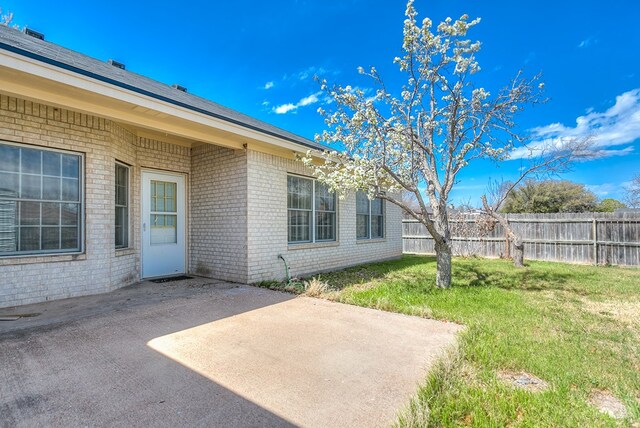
(208, 353)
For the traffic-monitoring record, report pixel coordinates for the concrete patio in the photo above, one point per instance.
(200, 352)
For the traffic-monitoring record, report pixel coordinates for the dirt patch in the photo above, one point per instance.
(628, 312)
(522, 380)
(607, 403)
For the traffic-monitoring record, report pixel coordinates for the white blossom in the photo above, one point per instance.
(424, 135)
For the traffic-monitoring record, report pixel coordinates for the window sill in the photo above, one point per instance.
(41, 258)
(312, 245)
(125, 251)
(371, 241)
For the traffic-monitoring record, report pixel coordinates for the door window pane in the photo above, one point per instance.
(163, 200)
(163, 196)
(163, 229)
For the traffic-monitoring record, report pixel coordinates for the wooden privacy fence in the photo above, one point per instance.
(590, 238)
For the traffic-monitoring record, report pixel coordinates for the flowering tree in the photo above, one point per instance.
(424, 136)
(6, 19)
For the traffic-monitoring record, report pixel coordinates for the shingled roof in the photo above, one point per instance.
(16, 41)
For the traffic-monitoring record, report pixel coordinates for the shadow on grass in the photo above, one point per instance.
(413, 271)
(417, 273)
(508, 277)
(407, 269)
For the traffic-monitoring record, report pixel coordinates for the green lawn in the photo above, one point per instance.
(576, 327)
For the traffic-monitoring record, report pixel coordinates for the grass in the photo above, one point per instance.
(575, 327)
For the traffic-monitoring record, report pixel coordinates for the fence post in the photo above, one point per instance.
(507, 244)
(594, 228)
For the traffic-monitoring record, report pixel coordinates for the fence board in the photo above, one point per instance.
(588, 238)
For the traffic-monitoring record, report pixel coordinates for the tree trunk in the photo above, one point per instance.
(443, 265)
(518, 253)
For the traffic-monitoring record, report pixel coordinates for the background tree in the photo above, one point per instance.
(544, 160)
(424, 135)
(632, 197)
(410, 201)
(549, 196)
(609, 205)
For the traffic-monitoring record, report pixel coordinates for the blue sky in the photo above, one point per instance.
(260, 58)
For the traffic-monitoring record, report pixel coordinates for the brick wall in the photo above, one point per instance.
(218, 227)
(237, 211)
(267, 227)
(30, 279)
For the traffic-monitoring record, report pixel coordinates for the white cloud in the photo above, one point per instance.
(617, 126)
(587, 42)
(607, 153)
(269, 85)
(607, 189)
(309, 72)
(311, 99)
(286, 108)
(530, 57)
(601, 189)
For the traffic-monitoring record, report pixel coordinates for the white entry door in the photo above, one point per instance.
(163, 224)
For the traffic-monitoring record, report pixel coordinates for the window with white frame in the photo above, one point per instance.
(40, 200)
(122, 205)
(311, 210)
(369, 217)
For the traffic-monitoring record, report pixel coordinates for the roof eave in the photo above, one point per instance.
(29, 62)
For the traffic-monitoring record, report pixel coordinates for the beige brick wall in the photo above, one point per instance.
(267, 227)
(237, 211)
(30, 279)
(218, 227)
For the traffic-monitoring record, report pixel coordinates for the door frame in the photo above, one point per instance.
(185, 177)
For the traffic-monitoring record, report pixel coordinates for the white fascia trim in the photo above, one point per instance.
(51, 72)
